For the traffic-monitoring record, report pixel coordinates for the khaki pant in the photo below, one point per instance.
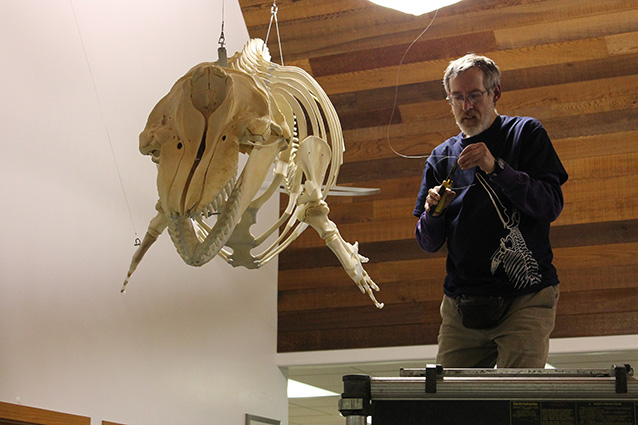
(520, 340)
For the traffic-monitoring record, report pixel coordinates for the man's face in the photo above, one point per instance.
(472, 117)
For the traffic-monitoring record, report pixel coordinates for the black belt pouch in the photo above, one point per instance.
(482, 312)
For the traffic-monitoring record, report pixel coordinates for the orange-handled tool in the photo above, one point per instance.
(447, 183)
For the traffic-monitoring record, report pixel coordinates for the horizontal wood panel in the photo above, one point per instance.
(342, 292)
(603, 24)
(384, 251)
(602, 233)
(597, 276)
(576, 302)
(256, 12)
(419, 51)
(380, 336)
(584, 325)
(622, 44)
(350, 120)
(585, 256)
(586, 211)
(412, 313)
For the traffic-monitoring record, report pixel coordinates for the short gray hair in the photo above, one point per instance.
(491, 72)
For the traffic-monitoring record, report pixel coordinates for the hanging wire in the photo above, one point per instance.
(222, 38)
(273, 17)
(137, 241)
(396, 93)
(222, 57)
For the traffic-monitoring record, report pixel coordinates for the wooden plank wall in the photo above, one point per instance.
(573, 64)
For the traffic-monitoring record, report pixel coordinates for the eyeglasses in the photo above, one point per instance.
(459, 100)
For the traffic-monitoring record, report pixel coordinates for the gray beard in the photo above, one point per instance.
(473, 131)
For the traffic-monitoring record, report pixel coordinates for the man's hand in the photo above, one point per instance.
(433, 199)
(477, 155)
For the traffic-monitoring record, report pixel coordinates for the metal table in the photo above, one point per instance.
(438, 396)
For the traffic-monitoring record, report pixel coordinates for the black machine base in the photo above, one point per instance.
(437, 396)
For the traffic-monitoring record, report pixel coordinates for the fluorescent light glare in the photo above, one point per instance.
(415, 7)
(300, 390)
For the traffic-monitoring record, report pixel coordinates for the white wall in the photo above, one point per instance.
(184, 345)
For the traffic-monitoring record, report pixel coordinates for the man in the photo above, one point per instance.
(495, 210)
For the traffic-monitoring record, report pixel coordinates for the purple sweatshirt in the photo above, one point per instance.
(496, 228)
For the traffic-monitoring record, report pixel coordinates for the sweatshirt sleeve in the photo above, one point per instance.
(534, 182)
(430, 232)
(539, 197)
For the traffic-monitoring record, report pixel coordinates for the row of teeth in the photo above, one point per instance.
(218, 203)
(187, 247)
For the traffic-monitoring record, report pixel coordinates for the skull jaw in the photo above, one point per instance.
(184, 232)
(183, 229)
